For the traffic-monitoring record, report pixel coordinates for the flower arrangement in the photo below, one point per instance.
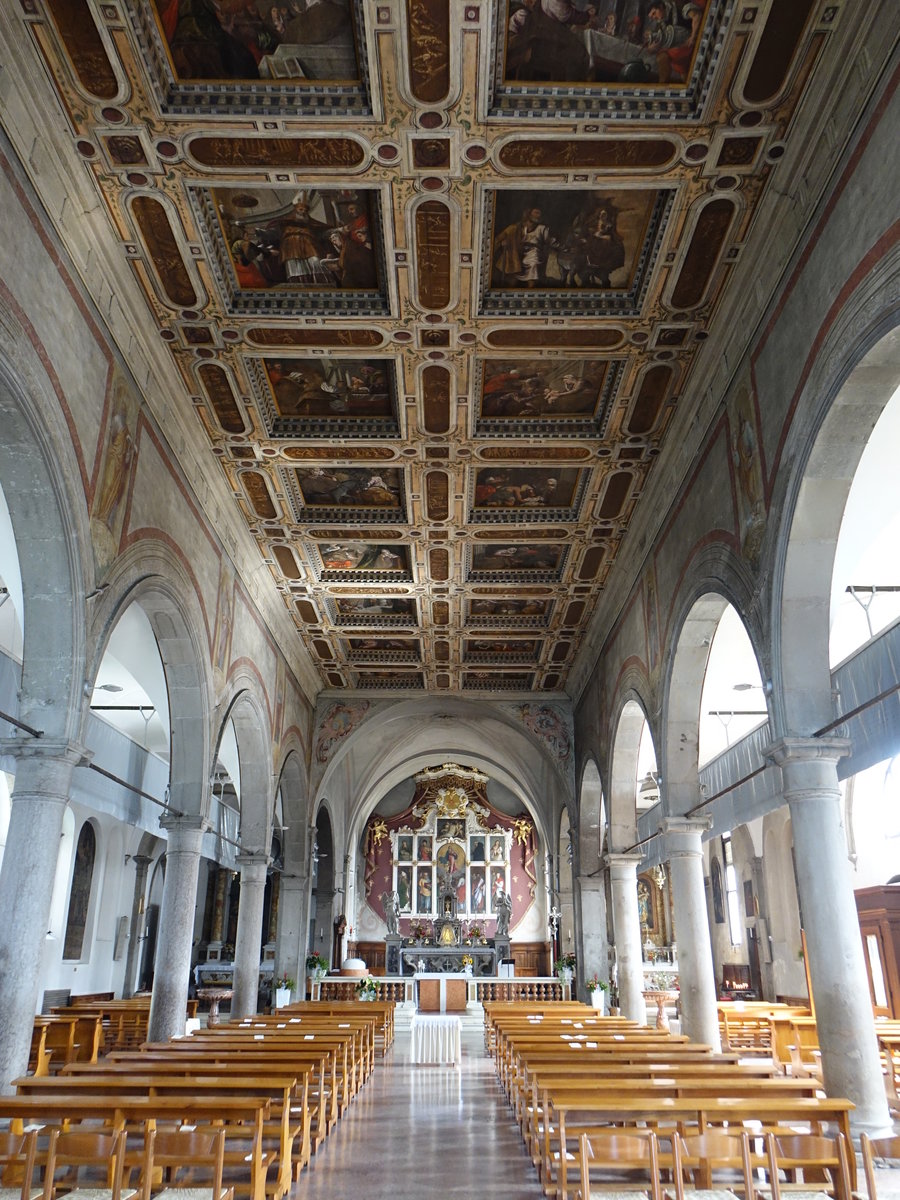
(565, 962)
(285, 981)
(316, 962)
(595, 982)
(419, 930)
(367, 988)
(476, 930)
(467, 961)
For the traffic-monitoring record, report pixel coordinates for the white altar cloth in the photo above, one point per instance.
(436, 1038)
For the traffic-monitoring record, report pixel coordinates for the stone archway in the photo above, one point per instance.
(245, 712)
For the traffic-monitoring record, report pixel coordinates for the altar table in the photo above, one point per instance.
(436, 1039)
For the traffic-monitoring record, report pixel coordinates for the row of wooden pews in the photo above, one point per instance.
(569, 1073)
(272, 1088)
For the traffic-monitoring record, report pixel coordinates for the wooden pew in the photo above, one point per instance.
(280, 1090)
(242, 1116)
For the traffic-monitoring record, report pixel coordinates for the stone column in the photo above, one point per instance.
(627, 932)
(594, 958)
(850, 1059)
(136, 928)
(291, 934)
(766, 967)
(171, 976)
(248, 943)
(699, 1016)
(40, 794)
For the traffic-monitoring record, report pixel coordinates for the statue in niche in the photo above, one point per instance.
(504, 913)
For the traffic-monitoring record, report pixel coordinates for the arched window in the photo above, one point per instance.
(80, 895)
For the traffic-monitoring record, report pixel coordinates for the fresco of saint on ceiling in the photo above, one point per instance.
(501, 560)
(502, 649)
(258, 39)
(605, 41)
(508, 611)
(373, 492)
(352, 559)
(374, 649)
(575, 243)
(328, 394)
(294, 249)
(520, 492)
(376, 611)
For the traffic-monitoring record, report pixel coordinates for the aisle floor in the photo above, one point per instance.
(424, 1131)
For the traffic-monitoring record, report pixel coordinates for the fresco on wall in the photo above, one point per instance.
(108, 510)
(255, 39)
(748, 471)
(512, 389)
(316, 239)
(587, 240)
(630, 41)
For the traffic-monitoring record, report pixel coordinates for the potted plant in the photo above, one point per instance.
(367, 988)
(597, 989)
(284, 986)
(316, 967)
(564, 967)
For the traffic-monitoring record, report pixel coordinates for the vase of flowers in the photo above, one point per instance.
(367, 988)
(564, 967)
(597, 989)
(284, 986)
(316, 967)
(468, 962)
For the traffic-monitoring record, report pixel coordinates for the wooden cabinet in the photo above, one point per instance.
(879, 923)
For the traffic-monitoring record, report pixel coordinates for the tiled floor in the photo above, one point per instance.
(423, 1132)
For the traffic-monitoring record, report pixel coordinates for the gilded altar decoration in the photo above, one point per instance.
(377, 831)
(522, 829)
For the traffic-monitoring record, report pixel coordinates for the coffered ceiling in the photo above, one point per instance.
(436, 277)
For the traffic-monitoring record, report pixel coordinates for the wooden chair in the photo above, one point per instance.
(86, 1164)
(17, 1155)
(629, 1163)
(189, 1164)
(877, 1148)
(807, 1166)
(704, 1155)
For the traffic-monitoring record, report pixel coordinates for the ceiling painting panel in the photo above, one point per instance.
(435, 277)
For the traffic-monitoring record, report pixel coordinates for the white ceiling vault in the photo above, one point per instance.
(444, 287)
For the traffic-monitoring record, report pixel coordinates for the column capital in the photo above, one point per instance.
(184, 834)
(623, 860)
(253, 867)
(683, 835)
(294, 883)
(66, 750)
(788, 750)
(248, 857)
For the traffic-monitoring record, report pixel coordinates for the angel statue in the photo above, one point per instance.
(390, 903)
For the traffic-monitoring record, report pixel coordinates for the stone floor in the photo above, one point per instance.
(423, 1132)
